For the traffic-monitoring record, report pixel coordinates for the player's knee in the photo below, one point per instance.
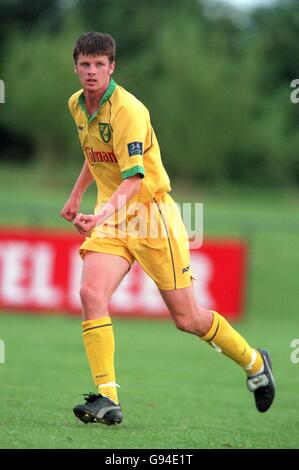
(194, 324)
(87, 296)
(90, 298)
(183, 323)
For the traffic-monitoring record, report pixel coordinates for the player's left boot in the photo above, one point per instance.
(98, 409)
(263, 384)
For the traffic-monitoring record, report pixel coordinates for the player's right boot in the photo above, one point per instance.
(263, 384)
(98, 409)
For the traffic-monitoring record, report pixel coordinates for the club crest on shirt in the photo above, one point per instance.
(105, 132)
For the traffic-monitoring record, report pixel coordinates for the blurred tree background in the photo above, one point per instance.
(217, 84)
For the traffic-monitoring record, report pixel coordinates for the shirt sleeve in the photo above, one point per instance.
(129, 135)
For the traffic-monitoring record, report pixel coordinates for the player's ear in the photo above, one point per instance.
(111, 68)
(75, 68)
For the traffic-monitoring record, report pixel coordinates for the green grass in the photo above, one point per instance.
(176, 392)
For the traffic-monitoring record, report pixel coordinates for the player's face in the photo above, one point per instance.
(94, 71)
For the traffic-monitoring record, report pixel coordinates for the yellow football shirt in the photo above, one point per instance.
(118, 141)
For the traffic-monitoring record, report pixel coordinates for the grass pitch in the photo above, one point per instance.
(176, 392)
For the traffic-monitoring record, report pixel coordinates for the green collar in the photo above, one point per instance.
(81, 100)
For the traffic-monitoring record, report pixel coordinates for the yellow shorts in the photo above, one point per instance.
(154, 235)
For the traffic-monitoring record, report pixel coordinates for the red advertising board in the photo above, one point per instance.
(40, 272)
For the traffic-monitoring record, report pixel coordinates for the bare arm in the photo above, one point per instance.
(70, 209)
(127, 189)
(83, 182)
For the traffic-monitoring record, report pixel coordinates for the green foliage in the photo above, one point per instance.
(218, 93)
(39, 79)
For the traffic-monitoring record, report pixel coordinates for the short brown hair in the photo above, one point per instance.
(94, 43)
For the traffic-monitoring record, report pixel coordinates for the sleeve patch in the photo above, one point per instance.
(135, 148)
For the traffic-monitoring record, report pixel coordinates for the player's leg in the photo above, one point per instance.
(211, 327)
(166, 259)
(101, 275)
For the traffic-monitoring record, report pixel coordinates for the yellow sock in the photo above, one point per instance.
(227, 340)
(98, 340)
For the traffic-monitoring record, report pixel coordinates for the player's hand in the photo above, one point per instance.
(85, 223)
(70, 210)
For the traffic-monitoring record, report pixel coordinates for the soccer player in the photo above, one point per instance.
(122, 156)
